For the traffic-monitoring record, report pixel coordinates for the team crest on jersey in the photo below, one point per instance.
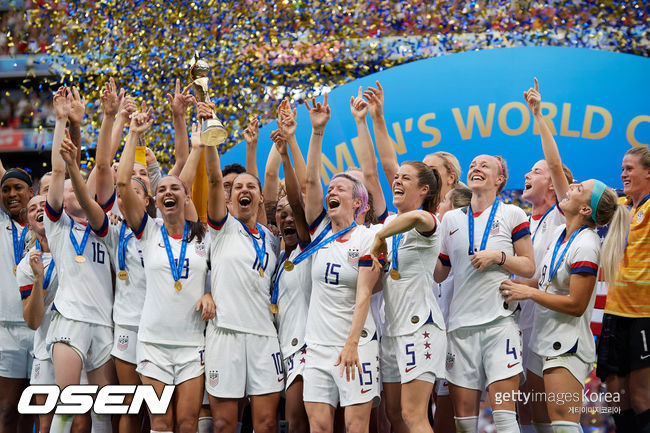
(639, 216)
(122, 342)
(451, 358)
(353, 255)
(495, 228)
(213, 378)
(199, 249)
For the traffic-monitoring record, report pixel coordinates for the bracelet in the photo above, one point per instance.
(320, 134)
(503, 259)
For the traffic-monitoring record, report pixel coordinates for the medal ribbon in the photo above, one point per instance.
(276, 281)
(488, 226)
(79, 248)
(542, 220)
(317, 244)
(122, 245)
(555, 266)
(260, 251)
(50, 268)
(396, 240)
(19, 245)
(175, 267)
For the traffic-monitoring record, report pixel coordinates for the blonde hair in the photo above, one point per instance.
(450, 162)
(609, 211)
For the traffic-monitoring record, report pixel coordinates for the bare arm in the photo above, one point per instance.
(94, 213)
(385, 148)
(366, 153)
(287, 125)
(134, 210)
(62, 109)
(271, 178)
(551, 152)
(34, 304)
(217, 210)
(103, 172)
(581, 286)
(294, 195)
(349, 356)
(441, 272)
(179, 103)
(251, 135)
(319, 115)
(77, 111)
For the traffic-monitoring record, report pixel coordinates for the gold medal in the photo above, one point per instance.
(123, 275)
(261, 271)
(178, 286)
(288, 266)
(80, 259)
(394, 274)
(15, 267)
(274, 308)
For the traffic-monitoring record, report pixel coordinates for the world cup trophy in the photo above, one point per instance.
(212, 131)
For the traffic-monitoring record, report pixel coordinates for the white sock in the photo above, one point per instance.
(61, 423)
(101, 423)
(205, 424)
(466, 424)
(527, 428)
(566, 427)
(505, 421)
(543, 427)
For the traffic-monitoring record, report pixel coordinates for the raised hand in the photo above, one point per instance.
(35, 263)
(68, 150)
(358, 106)
(251, 133)
(534, 99)
(77, 107)
(280, 141)
(127, 107)
(319, 114)
(140, 122)
(180, 100)
(149, 156)
(111, 99)
(375, 98)
(195, 139)
(62, 103)
(204, 110)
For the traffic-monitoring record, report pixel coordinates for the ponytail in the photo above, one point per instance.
(196, 230)
(618, 217)
(430, 177)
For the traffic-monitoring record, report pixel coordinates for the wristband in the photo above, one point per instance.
(503, 259)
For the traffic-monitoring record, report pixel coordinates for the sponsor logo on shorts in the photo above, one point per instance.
(363, 391)
(213, 378)
(512, 365)
(409, 368)
(645, 356)
(281, 379)
(550, 359)
(122, 342)
(449, 362)
(353, 255)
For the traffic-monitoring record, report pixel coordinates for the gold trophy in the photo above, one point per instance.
(212, 131)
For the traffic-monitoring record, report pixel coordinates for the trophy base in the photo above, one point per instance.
(212, 132)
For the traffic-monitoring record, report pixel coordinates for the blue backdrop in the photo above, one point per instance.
(471, 103)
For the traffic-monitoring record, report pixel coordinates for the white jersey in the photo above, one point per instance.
(444, 292)
(169, 316)
(85, 289)
(477, 299)
(242, 296)
(409, 299)
(542, 230)
(334, 272)
(11, 310)
(294, 292)
(556, 333)
(25, 278)
(129, 293)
